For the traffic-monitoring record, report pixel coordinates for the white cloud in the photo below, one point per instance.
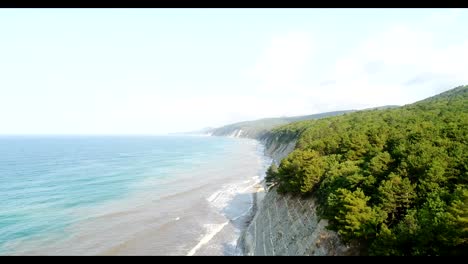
(283, 62)
(184, 113)
(297, 72)
(399, 65)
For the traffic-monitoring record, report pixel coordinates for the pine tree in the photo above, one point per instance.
(396, 195)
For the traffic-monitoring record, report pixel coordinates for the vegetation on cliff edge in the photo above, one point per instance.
(395, 180)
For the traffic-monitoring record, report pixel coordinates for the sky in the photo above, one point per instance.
(157, 71)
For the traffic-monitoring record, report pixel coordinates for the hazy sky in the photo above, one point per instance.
(124, 71)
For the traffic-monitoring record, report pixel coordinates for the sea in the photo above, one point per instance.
(126, 195)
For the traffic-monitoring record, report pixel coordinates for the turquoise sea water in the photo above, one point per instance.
(46, 180)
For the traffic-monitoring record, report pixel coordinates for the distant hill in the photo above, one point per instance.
(257, 128)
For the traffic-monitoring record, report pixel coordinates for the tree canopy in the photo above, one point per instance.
(394, 179)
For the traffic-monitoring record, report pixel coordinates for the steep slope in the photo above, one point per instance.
(393, 181)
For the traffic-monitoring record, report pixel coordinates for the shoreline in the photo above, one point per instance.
(258, 193)
(241, 222)
(274, 151)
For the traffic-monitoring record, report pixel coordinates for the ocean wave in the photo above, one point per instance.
(212, 230)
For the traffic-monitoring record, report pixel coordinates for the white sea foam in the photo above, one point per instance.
(212, 230)
(220, 199)
(213, 197)
(250, 186)
(243, 214)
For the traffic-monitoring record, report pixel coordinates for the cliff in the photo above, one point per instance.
(284, 224)
(390, 180)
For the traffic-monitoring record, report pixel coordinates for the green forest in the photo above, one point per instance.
(395, 181)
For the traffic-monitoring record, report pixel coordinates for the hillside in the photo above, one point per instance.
(394, 181)
(257, 128)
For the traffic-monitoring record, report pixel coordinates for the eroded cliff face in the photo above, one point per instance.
(238, 132)
(288, 225)
(277, 150)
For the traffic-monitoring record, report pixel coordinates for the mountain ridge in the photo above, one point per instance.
(256, 129)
